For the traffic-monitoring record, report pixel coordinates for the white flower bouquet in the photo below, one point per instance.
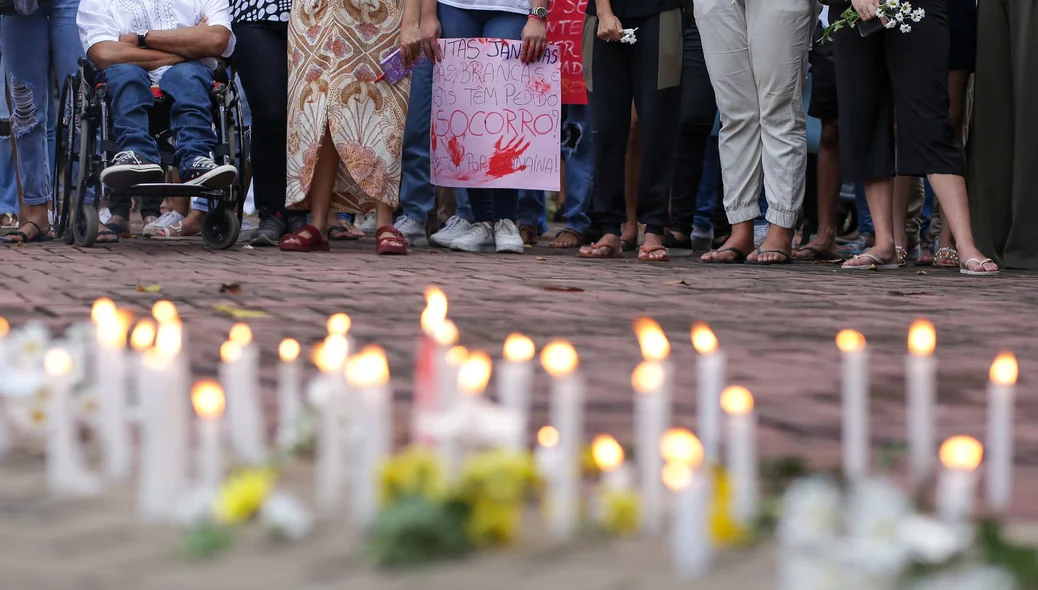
(892, 14)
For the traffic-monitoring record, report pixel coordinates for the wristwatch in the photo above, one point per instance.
(142, 39)
(539, 13)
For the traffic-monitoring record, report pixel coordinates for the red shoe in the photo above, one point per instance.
(389, 241)
(307, 239)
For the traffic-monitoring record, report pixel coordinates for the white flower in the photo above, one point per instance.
(891, 23)
(918, 14)
(875, 511)
(196, 509)
(931, 541)
(629, 37)
(810, 514)
(286, 516)
(893, 4)
(906, 28)
(28, 346)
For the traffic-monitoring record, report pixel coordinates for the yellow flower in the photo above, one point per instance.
(725, 531)
(494, 523)
(588, 467)
(621, 511)
(413, 472)
(242, 495)
(499, 476)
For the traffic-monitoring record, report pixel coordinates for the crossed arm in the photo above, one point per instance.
(165, 48)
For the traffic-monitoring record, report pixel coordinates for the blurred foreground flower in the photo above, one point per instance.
(414, 472)
(621, 511)
(242, 495)
(725, 531)
(286, 516)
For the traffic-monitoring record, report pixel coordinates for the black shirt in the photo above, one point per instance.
(637, 8)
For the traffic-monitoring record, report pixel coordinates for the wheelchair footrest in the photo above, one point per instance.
(166, 190)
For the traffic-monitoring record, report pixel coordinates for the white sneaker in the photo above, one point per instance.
(478, 238)
(369, 225)
(507, 238)
(412, 230)
(168, 219)
(452, 230)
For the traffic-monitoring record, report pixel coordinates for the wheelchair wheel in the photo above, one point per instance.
(220, 228)
(84, 218)
(85, 224)
(64, 157)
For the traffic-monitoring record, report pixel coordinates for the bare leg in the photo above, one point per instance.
(323, 183)
(880, 195)
(958, 82)
(902, 196)
(634, 168)
(951, 192)
(829, 183)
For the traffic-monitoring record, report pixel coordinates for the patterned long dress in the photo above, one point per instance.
(335, 51)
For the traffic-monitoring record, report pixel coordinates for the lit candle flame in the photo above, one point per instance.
(652, 340)
(548, 437)
(230, 352)
(331, 356)
(559, 359)
(164, 311)
(57, 362)
(607, 453)
(288, 350)
(648, 377)
(143, 335)
(676, 476)
(111, 331)
(850, 341)
(368, 368)
(736, 400)
(435, 309)
(922, 338)
(339, 324)
(102, 309)
(208, 399)
(703, 339)
(680, 446)
(457, 355)
(5, 327)
(168, 339)
(962, 453)
(474, 373)
(1004, 370)
(240, 334)
(445, 333)
(519, 348)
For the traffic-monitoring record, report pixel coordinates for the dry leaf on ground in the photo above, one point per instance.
(239, 313)
(156, 288)
(680, 283)
(231, 288)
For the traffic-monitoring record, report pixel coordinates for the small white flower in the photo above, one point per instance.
(810, 514)
(932, 541)
(906, 28)
(893, 4)
(286, 516)
(875, 511)
(918, 14)
(891, 23)
(629, 37)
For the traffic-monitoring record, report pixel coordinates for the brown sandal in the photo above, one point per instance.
(647, 254)
(599, 251)
(389, 241)
(567, 238)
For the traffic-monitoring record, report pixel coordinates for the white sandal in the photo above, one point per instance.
(978, 273)
(877, 264)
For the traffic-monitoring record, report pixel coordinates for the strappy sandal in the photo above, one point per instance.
(111, 233)
(41, 236)
(598, 251)
(877, 263)
(902, 256)
(946, 257)
(740, 256)
(389, 241)
(173, 231)
(786, 258)
(966, 270)
(646, 254)
(564, 241)
(307, 239)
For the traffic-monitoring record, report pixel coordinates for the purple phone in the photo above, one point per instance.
(393, 66)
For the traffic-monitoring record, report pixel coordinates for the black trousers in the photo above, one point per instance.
(261, 60)
(898, 76)
(119, 205)
(698, 111)
(649, 74)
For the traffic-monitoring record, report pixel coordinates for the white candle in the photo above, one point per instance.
(514, 380)
(1001, 394)
(956, 488)
(650, 421)
(67, 474)
(439, 334)
(5, 440)
(920, 369)
(742, 451)
(208, 400)
(546, 455)
(711, 370)
(689, 543)
(855, 404)
(609, 457)
(141, 340)
(567, 412)
(330, 460)
(368, 375)
(151, 381)
(176, 412)
(111, 382)
(473, 376)
(247, 426)
(289, 403)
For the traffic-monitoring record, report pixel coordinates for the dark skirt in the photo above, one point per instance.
(962, 16)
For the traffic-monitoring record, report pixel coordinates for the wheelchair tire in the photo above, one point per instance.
(85, 224)
(84, 219)
(64, 157)
(220, 228)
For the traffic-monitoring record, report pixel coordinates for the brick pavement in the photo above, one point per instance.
(776, 324)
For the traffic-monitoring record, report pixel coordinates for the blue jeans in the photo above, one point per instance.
(579, 154)
(706, 199)
(187, 86)
(37, 48)
(8, 182)
(864, 216)
(486, 204)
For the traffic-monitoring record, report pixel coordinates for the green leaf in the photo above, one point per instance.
(414, 531)
(205, 541)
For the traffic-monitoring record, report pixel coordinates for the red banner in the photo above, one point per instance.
(566, 29)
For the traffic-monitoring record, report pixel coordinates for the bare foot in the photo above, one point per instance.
(883, 254)
(974, 260)
(776, 247)
(607, 247)
(733, 250)
(823, 247)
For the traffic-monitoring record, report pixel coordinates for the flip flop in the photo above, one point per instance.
(816, 253)
(739, 258)
(113, 229)
(645, 254)
(591, 252)
(878, 264)
(978, 273)
(579, 239)
(786, 258)
(41, 236)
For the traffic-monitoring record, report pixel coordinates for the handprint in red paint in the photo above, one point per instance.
(456, 149)
(502, 163)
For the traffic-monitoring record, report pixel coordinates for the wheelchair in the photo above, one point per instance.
(83, 136)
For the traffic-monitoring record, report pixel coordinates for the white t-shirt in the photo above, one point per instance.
(106, 20)
(516, 6)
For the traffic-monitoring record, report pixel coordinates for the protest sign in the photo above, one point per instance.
(566, 29)
(496, 122)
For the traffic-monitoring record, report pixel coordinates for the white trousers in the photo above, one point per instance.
(756, 53)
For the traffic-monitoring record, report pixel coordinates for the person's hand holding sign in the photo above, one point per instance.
(535, 33)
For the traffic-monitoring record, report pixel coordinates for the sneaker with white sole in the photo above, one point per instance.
(412, 230)
(370, 224)
(478, 238)
(507, 239)
(205, 172)
(129, 170)
(452, 230)
(168, 219)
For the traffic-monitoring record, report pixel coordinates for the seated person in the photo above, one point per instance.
(172, 44)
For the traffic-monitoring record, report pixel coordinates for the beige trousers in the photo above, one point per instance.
(756, 53)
